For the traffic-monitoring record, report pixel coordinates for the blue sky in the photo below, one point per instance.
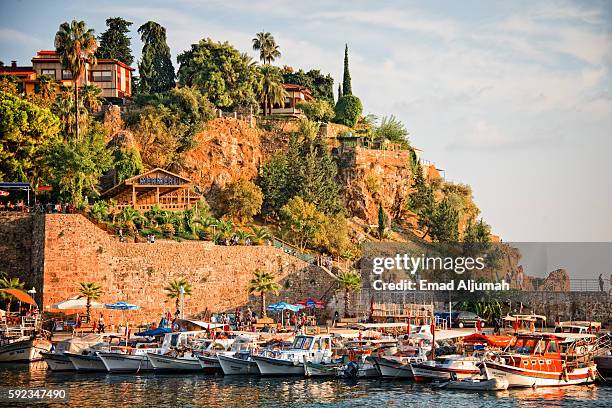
(513, 98)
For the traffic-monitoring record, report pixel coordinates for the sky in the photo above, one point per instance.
(512, 98)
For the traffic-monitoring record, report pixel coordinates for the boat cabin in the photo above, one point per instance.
(311, 343)
(580, 327)
(540, 352)
(521, 323)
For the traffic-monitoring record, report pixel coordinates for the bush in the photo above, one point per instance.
(348, 110)
(168, 230)
(241, 200)
(317, 110)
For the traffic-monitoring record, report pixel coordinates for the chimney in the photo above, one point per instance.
(14, 64)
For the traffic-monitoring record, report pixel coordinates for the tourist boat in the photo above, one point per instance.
(535, 360)
(240, 363)
(446, 367)
(58, 361)
(208, 356)
(22, 349)
(128, 359)
(315, 348)
(180, 351)
(396, 366)
(86, 361)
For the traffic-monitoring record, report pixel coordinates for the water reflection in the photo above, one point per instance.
(199, 390)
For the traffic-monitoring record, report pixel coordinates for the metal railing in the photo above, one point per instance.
(579, 285)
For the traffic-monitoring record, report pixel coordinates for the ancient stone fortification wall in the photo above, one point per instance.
(76, 251)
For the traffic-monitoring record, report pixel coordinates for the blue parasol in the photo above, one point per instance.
(120, 306)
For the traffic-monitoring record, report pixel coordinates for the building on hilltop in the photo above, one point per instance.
(295, 95)
(155, 188)
(112, 76)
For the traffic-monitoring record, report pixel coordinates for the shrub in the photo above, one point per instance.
(348, 110)
(168, 230)
(241, 200)
(317, 110)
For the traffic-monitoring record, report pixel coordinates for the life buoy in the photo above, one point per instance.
(175, 327)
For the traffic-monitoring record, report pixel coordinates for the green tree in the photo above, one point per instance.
(266, 45)
(348, 282)
(444, 223)
(173, 290)
(90, 291)
(76, 46)
(241, 200)
(348, 110)
(346, 78)
(274, 182)
(114, 43)
(318, 110)
(9, 283)
(262, 283)
(127, 163)
(27, 135)
(155, 66)
(382, 222)
(220, 72)
(91, 96)
(78, 165)
(476, 238)
(46, 86)
(322, 86)
(158, 138)
(301, 222)
(334, 236)
(271, 89)
(391, 129)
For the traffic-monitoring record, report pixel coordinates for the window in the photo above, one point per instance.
(66, 74)
(102, 76)
(48, 72)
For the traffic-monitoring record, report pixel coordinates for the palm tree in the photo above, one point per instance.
(90, 291)
(91, 95)
(131, 218)
(9, 283)
(76, 45)
(262, 283)
(260, 234)
(173, 290)
(46, 86)
(265, 43)
(272, 90)
(349, 282)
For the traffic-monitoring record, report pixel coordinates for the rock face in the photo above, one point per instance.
(557, 281)
(227, 150)
(112, 120)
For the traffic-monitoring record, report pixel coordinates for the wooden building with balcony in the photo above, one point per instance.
(157, 187)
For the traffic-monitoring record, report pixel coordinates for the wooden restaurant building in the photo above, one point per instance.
(157, 187)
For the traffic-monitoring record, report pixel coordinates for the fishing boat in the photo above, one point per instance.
(488, 383)
(396, 366)
(316, 348)
(181, 351)
(87, 361)
(22, 349)
(445, 367)
(123, 359)
(240, 363)
(59, 361)
(535, 360)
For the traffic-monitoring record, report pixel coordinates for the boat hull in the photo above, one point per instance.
(57, 362)
(393, 369)
(125, 363)
(24, 351)
(86, 363)
(425, 372)
(494, 384)
(604, 365)
(519, 377)
(321, 370)
(210, 364)
(166, 363)
(237, 366)
(277, 367)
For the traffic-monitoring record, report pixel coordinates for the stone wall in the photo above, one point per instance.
(55, 252)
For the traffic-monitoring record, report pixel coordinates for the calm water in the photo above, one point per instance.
(154, 390)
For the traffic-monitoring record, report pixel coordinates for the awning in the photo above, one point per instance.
(20, 295)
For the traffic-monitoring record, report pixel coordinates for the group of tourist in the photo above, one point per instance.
(19, 206)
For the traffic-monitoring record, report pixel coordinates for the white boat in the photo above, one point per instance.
(475, 384)
(209, 357)
(445, 367)
(89, 361)
(128, 359)
(23, 349)
(238, 364)
(398, 367)
(180, 351)
(58, 361)
(316, 349)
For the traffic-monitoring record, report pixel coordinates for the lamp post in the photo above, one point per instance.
(182, 294)
(32, 292)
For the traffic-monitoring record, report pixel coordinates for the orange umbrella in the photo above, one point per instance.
(20, 295)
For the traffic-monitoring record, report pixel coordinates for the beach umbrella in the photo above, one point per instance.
(281, 306)
(311, 303)
(120, 306)
(75, 303)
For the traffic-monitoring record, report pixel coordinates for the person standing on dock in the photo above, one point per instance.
(601, 282)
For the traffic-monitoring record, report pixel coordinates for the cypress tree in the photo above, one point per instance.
(339, 91)
(346, 81)
(381, 222)
(114, 43)
(155, 66)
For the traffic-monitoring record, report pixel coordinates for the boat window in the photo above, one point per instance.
(524, 346)
(174, 340)
(307, 343)
(298, 342)
(542, 362)
(552, 347)
(317, 345)
(533, 362)
(326, 345)
(525, 362)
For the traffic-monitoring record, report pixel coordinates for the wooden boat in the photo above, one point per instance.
(240, 363)
(86, 362)
(126, 359)
(445, 367)
(604, 365)
(396, 367)
(23, 349)
(58, 361)
(315, 348)
(535, 360)
(475, 384)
